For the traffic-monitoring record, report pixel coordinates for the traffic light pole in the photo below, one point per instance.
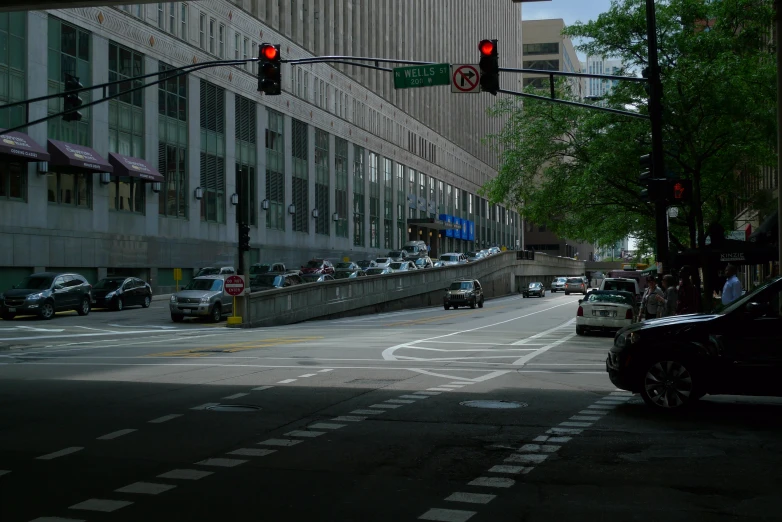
(655, 118)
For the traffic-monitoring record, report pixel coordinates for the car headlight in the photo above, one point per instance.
(110, 295)
(35, 297)
(173, 299)
(205, 299)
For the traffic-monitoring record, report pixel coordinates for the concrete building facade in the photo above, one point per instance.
(339, 165)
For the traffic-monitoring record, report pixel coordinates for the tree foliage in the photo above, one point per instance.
(576, 170)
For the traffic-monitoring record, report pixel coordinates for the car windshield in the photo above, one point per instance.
(214, 285)
(395, 253)
(747, 298)
(461, 285)
(397, 266)
(267, 281)
(421, 261)
(561, 280)
(208, 271)
(596, 297)
(344, 265)
(381, 260)
(365, 263)
(375, 271)
(314, 264)
(35, 283)
(260, 269)
(108, 284)
(448, 258)
(625, 286)
(575, 280)
(411, 249)
(534, 285)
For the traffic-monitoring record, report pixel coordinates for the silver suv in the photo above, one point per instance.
(558, 284)
(203, 297)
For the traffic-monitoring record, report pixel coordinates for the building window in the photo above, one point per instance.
(358, 197)
(13, 179)
(69, 189)
(212, 105)
(540, 48)
(13, 51)
(322, 182)
(69, 53)
(388, 204)
(172, 147)
(202, 31)
(341, 179)
(301, 219)
(246, 156)
(183, 21)
(172, 18)
(275, 171)
(237, 46)
(221, 41)
(212, 24)
(126, 194)
(161, 15)
(254, 65)
(374, 202)
(246, 53)
(545, 65)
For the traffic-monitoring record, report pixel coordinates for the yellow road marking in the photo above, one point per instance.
(233, 347)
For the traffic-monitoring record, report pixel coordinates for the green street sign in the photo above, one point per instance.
(422, 76)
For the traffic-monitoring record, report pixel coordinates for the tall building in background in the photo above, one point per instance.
(596, 87)
(544, 47)
(339, 165)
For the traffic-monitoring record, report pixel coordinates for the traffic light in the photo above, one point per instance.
(655, 188)
(72, 100)
(244, 237)
(680, 190)
(490, 66)
(270, 71)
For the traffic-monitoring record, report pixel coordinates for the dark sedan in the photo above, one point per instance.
(318, 266)
(674, 361)
(534, 289)
(118, 292)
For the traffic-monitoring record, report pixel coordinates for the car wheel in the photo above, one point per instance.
(472, 304)
(119, 305)
(84, 309)
(147, 301)
(524, 296)
(580, 330)
(47, 310)
(567, 293)
(177, 318)
(8, 317)
(480, 304)
(668, 384)
(217, 313)
(446, 307)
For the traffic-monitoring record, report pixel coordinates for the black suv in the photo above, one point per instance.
(45, 293)
(463, 292)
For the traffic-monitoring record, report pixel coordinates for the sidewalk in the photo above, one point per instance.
(162, 297)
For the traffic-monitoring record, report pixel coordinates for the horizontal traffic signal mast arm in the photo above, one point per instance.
(575, 104)
(575, 74)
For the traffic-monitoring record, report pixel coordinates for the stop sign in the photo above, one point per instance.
(234, 285)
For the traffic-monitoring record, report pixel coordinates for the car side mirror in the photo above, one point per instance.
(756, 310)
(580, 301)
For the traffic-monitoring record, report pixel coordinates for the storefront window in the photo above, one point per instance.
(13, 179)
(69, 189)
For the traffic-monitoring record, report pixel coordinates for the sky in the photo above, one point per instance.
(569, 10)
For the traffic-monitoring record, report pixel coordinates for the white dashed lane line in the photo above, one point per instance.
(185, 474)
(236, 396)
(101, 504)
(165, 418)
(61, 453)
(286, 381)
(205, 406)
(116, 434)
(221, 463)
(145, 488)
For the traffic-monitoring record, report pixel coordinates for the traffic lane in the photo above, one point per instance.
(712, 464)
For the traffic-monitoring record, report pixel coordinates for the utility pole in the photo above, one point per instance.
(655, 117)
(778, 13)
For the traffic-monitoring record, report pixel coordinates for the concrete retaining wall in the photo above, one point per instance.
(499, 275)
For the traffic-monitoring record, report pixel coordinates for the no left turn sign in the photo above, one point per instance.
(465, 78)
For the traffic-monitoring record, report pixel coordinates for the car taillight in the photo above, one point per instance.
(580, 312)
(629, 314)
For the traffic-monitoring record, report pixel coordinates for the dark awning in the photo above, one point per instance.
(134, 167)
(21, 147)
(730, 251)
(435, 224)
(767, 231)
(78, 156)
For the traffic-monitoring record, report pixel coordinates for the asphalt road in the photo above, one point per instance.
(121, 416)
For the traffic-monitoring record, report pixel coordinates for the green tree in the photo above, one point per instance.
(576, 170)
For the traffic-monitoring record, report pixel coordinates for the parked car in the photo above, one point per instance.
(463, 292)
(45, 293)
(274, 280)
(605, 310)
(416, 249)
(318, 266)
(558, 284)
(575, 284)
(673, 361)
(534, 289)
(349, 274)
(494, 250)
(118, 292)
(366, 263)
(212, 270)
(397, 255)
(204, 297)
(316, 278)
(475, 256)
(378, 270)
(623, 284)
(453, 258)
(348, 265)
(263, 268)
(424, 262)
(401, 266)
(382, 262)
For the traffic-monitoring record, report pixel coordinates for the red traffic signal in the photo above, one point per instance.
(269, 52)
(486, 47)
(269, 70)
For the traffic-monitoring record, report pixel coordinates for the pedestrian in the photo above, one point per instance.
(732, 289)
(652, 301)
(687, 298)
(671, 296)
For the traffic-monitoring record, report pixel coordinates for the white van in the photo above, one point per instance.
(415, 249)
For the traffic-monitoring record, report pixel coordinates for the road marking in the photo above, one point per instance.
(286, 381)
(447, 515)
(349, 418)
(185, 474)
(61, 453)
(56, 519)
(576, 424)
(101, 504)
(325, 426)
(592, 412)
(543, 333)
(563, 431)
(543, 448)
(399, 401)
(165, 418)
(116, 434)
(601, 407)
(584, 418)
(305, 433)
(236, 396)
(413, 396)
(492, 482)
(472, 498)
(281, 442)
(521, 361)
(386, 406)
(306, 375)
(251, 452)
(426, 393)
(367, 412)
(452, 386)
(261, 388)
(440, 389)
(205, 406)
(222, 463)
(145, 488)
(326, 370)
(462, 383)
(527, 458)
(514, 470)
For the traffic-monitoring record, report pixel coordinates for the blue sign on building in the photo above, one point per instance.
(458, 232)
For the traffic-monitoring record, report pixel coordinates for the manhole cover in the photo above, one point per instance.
(233, 407)
(494, 405)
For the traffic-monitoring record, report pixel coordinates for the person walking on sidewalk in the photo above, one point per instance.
(671, 296)
(732, 289)
(652, 301)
